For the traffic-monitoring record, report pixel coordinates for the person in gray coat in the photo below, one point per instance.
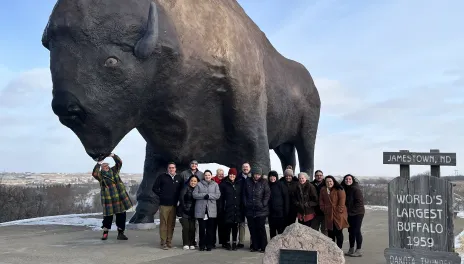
(206, 193)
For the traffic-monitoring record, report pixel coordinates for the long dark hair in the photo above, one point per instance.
(336, 184)
(355, 181)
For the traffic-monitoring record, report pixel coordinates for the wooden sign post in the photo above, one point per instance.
(420, 211)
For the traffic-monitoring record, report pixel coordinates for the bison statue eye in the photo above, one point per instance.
(111, 62)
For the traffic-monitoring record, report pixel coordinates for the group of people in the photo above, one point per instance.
(208, 205)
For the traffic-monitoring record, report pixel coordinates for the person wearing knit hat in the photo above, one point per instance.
(232, 171)
(256, 170)
(279, 205)
(231, 197)
(256, 195)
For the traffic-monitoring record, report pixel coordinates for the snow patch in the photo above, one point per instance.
(376, 207)
(459, 245)
(460, 214)
(78, 220)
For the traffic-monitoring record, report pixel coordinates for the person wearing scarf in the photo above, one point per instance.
(306, 200)
(114, 198)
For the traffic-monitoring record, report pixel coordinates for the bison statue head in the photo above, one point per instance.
(102, 67)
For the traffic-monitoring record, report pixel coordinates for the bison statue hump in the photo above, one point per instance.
(198, 80)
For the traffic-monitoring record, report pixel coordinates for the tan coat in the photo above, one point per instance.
(334, 208)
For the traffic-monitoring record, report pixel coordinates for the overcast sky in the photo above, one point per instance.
(390, 74)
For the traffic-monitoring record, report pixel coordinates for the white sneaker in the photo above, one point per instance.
(192, 247)
(186, 247)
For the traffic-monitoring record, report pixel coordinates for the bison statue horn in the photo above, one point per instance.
(146, 45)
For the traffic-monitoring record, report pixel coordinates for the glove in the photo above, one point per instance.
(206, 197)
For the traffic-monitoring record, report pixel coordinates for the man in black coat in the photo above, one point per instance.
(256, 195)
(319, 222)
(168, 186)
(244, 174)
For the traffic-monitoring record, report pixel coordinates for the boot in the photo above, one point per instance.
(105, 234)
(121, 235)
(227, 246)
(350, 252)
(234, 246)
(357, 253)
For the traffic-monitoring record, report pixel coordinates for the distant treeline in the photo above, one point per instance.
(21, 202)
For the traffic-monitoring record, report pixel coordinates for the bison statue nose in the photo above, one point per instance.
(97, 156)
(68, 110)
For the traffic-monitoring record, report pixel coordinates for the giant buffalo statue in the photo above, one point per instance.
(198, 80)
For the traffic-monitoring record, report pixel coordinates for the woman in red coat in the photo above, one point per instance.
(332, 202)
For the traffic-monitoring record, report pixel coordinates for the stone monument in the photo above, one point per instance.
(301, 237)
(198, 80)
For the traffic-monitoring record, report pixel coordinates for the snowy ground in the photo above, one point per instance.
(96, 221)
(459, 245)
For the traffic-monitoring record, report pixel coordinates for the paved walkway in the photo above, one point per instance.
(79, 245)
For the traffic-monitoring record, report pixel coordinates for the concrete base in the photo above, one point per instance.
(54, 244)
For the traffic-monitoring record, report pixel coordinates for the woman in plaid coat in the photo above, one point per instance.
(114, 197)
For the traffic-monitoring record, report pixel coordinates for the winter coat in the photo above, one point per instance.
(231, 200)
(333, 206)
(291, 187)
(114, 197)
(256, 197)
(168, 189)
(279, 203)
(306, 198)
(211, 189)
(354, 199)
(186, 208)
(318, 189)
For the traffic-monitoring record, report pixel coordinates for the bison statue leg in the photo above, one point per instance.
(147, 200)
(305, 145)
(245, 128)
(286, 154)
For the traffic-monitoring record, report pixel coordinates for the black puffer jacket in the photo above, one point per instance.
(186, 208)
(279, 203)
(256, 197)
(231, 200)
(291, 188)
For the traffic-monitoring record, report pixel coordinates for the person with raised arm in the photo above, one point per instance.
(114, 197)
